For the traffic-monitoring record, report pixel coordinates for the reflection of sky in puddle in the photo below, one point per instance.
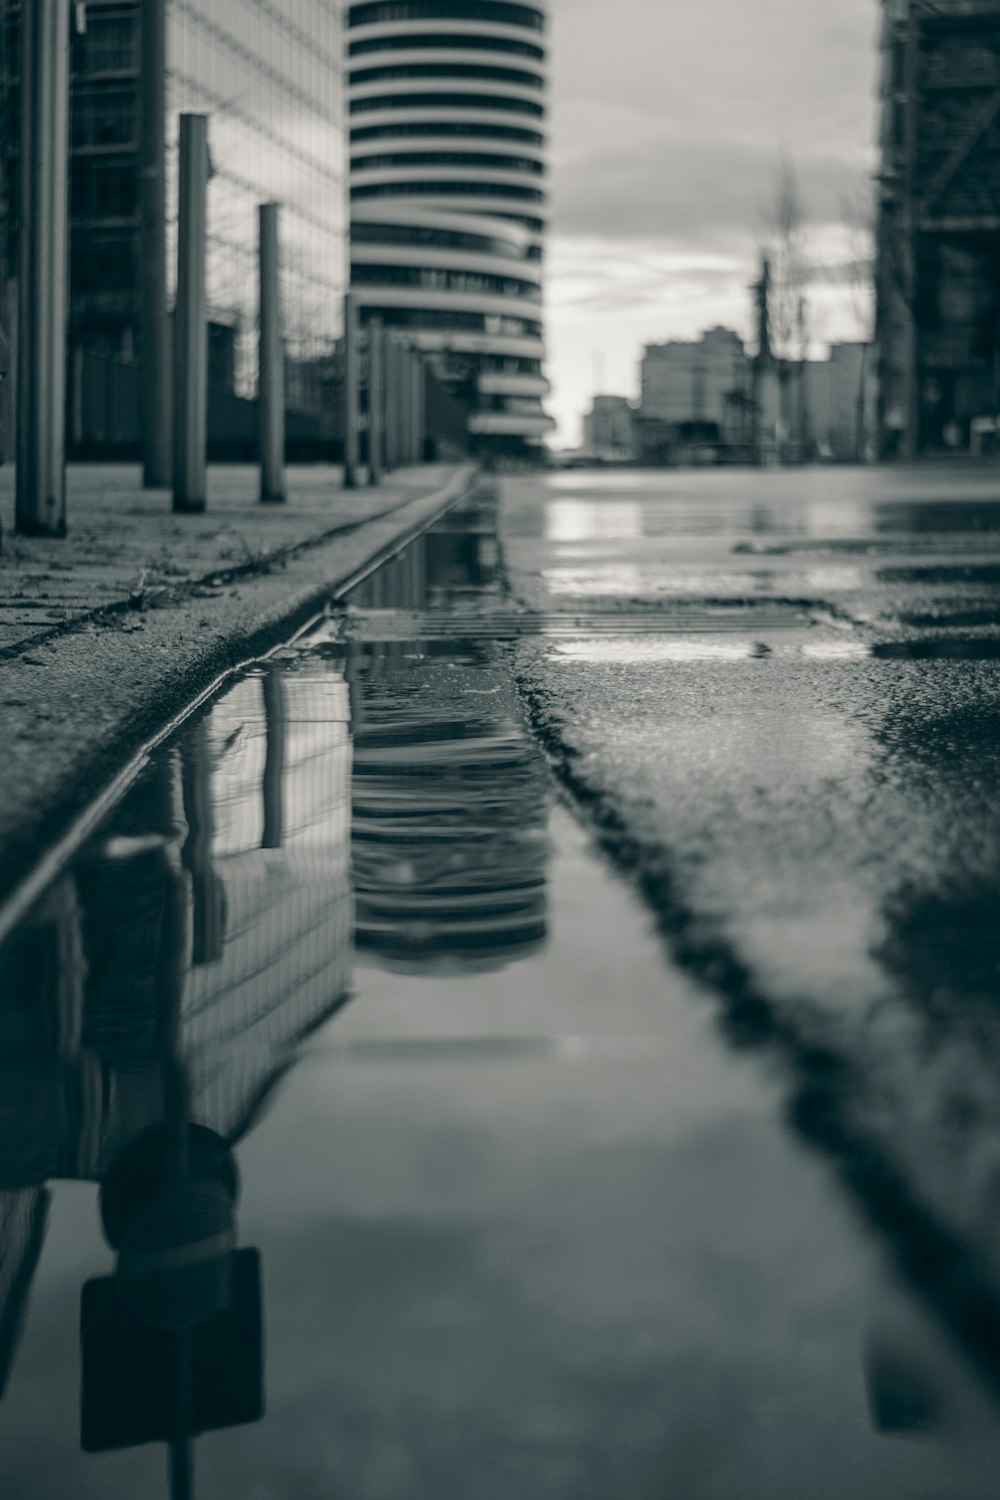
(836, 650)
(671, 649)
(840, 517)
(624, 580)
(834, 578)
(639, 649)
(592, 520)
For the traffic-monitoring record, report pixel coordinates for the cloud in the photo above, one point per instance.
(705, 193)
(667, 124)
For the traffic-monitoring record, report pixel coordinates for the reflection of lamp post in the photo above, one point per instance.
(208, 894)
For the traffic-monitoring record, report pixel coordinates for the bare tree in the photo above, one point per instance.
(784, 244)
(857, 213)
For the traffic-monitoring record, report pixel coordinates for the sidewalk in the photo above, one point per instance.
(111, 631)
(126, 547)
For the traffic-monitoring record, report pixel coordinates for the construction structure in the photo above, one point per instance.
(938, 226)
(448, 199)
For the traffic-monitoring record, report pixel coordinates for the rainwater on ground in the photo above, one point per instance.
(358, 1139)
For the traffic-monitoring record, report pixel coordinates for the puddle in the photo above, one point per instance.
(939, 648)
(938, 573)
(512, 1217)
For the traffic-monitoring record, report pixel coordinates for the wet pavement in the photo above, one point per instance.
(360, 1134)
(809, 804)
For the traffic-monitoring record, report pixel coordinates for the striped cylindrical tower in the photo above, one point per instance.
(447, 110)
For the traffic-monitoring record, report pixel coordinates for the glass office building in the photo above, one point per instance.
(267, 74)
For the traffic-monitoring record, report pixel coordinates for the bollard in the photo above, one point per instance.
(390, 430)
(191, 323)
(376, 401)
(419, 407)
(352, 390)
(155, 392)
(44, 256)
(411, 403)
(404, 407)
(271, 376)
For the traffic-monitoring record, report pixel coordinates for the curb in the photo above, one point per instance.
(150, 697)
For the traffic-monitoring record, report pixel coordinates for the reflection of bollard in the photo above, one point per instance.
(376, 400)
(271, 379)
(174, 1238)
(352, 390)
(272, 785)
(44, 251)
(190, 320)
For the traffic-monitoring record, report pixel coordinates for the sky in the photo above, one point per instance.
(669, 120)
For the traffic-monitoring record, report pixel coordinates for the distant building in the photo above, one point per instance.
(608, 430)
(841, 406)
(690, 382)
(695, 399)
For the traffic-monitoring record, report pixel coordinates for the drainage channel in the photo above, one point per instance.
(512, 1216)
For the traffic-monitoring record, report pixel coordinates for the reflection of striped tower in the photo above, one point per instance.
(448, 199)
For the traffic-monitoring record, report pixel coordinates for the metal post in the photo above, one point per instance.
(44, 252)
(404, 407)
(190, 320)
(390, 446)
(155, 392)
(352, 390)
(419, 407)
(271, 377)
(376, 401)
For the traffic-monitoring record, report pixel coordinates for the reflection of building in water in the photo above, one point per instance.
(449, 805)
(219, 893)
(22, 1229)
(448, 837)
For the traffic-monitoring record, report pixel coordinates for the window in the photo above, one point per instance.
(105, 116)
(445, 189)
(514, 76)
(103, 188)
(447, 101)
(443, 280)
(446, 10)
(110, 44)
(470, 159)
(460, 322)
(104, 264)
(451, 43)
(445, 239)
(463, 128)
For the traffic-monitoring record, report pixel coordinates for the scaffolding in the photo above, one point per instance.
(938, 262)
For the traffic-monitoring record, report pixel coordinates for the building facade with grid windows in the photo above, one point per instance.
(267, 74)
